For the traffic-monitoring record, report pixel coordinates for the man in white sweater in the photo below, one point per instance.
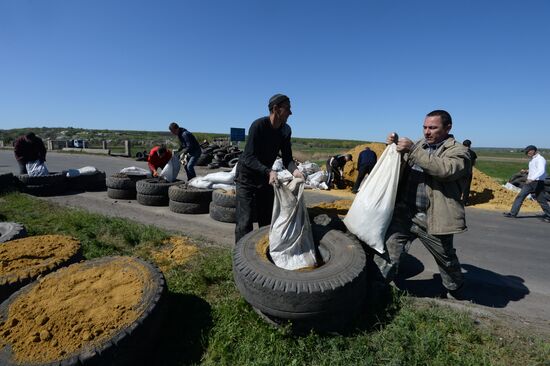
(534, 184)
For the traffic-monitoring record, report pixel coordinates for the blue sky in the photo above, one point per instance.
(353, 69)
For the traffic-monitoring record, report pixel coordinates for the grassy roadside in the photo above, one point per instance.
(207, 322)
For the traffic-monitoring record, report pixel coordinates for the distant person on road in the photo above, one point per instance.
(365, 163)
(473, 158)
(28, 148)
(267, 136)
(158, 157)
(188, 145)
(335, 170)
(534, 184)
(429, 200)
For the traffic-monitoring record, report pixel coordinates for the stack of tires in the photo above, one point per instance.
(123, 186)
(88, 182)
(45, 185)
(215, 156)
(153, 191)
(223, 205)
(189, 200)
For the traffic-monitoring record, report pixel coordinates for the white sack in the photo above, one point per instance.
(371, 211)
(277, 165)
(509, 186)
(171, 169)
(220, 177)
(134, 170)
(227, 187)
(199, 182)
(284, 176)
(71, 173)
(308, 168)
(290, 237)
(36, 168)
(87, 170)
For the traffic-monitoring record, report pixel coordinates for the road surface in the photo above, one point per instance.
(505, 260)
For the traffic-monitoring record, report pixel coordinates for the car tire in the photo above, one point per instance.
(323, 298)
(152, 200)
(129, 345)
(124, 181)
(155, 187)
(224, 198)
(188, 207)
(52, 178)
(223, 214)
(46, 190)
(121, 194)
(185, 193)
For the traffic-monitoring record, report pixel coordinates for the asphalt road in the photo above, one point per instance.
(505, 260)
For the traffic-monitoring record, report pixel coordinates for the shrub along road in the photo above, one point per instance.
(504, 260)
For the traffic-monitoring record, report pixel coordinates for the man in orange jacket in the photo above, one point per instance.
(159, 156)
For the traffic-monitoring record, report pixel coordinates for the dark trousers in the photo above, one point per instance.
(536, 187)
(399, 237)
(252, 201)
(22, 167)
(360, 176)
(333, 176)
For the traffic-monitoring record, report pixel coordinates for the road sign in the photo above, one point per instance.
(237, 134)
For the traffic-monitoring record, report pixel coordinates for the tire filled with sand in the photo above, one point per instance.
(84, 313)
(23, 260)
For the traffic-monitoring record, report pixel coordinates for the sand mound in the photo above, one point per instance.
(175, 251)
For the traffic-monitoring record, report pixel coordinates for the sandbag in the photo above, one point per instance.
(88, 170)
(36, 168)
(134, 170)
(199, 182)
(291, 243)
(370, 213)
(171, 169)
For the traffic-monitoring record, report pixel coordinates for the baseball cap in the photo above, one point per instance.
(529, 148)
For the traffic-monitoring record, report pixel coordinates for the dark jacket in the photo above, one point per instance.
(262, 146)
(337, 162)
(188, 143)
(367, 160)
(27, 150)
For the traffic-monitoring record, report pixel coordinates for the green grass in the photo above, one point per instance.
(208, 323)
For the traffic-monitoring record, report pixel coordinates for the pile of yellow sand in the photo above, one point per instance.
(485, 192)
(175, 251)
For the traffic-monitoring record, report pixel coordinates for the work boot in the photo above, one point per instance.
(508, 214)
(457, 294)
(546, 219)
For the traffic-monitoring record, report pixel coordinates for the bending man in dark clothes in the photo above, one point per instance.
(254, 177)
(335, 170)
(365, 163)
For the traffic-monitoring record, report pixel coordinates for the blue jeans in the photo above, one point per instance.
(536, 187)
(190, 167)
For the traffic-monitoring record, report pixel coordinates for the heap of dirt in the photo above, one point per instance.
(350, 170)
(73, 307)
(32, 255)
(175, 251)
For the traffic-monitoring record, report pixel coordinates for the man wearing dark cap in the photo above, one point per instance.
(335, 170)
(536, 174)
(473, 158)
(267, 136)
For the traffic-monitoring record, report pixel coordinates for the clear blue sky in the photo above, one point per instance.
(353, 69)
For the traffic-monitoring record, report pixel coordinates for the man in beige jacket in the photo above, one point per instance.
(428, 204)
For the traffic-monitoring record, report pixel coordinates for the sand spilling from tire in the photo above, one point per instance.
(485, 192)
(175, 251)
(31, 255)
(262, 248)
(73, 307)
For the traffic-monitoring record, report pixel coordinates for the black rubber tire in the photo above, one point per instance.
(10, 284)
(124, 181)
(155, 187)
(121, 194)
(184, 193)
(88, 182)
(221, 197)
(46, 189)
(152, 200)
(139, 155)
(189, 207)
(50, 179)
(223, 214)
(231, 163)
(8, 182)
(324, 298)
(213, 165)
(129, 345)
(11, 230)
(204, 159)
